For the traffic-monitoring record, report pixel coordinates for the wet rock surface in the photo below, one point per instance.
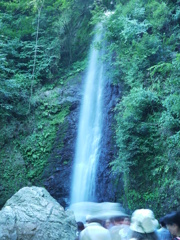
(58, 175)
(105, 188)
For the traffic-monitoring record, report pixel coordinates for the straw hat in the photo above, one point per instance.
(143, 221)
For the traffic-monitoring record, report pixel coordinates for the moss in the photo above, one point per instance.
(37, 147)
(23, 160)
(12, 172)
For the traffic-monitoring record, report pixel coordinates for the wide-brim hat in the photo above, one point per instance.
(143, 221)
(85, 211)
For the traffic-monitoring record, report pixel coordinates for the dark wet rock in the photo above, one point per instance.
(58, 175)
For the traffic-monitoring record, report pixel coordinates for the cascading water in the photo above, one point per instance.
(90, 129)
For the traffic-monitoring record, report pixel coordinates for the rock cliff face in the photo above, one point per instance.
(57, 176)
(105, 180)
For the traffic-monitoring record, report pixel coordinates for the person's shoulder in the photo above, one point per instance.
(117, 227)
(162, 230)
(83, 234)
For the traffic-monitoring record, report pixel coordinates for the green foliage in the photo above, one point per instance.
(135, 48)
(12, 172)
(43, 44)
(61, 116)
(136, 128)
(35, 151)
(158, 14)
(37, 146)
(39, 41)
(143, 53)
(97, 14)
(23, 161)
(143, 37)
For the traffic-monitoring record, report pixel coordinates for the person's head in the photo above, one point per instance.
(126, 221)
(162, 223)
(172, 221)
(118, 220)
(97, 220)
(143, 224)
(108, 224)
(80, 226)
(91, 219)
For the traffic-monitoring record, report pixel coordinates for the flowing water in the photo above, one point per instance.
(89, 130)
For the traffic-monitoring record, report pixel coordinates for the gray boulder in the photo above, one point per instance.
(32, 214)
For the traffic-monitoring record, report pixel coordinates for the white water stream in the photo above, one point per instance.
(89, 130)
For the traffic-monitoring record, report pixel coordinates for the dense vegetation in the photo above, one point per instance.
(44, 43)
(144, 37)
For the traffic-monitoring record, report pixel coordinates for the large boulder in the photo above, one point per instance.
(32, 214)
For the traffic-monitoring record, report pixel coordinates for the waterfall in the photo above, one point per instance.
(89, 130)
